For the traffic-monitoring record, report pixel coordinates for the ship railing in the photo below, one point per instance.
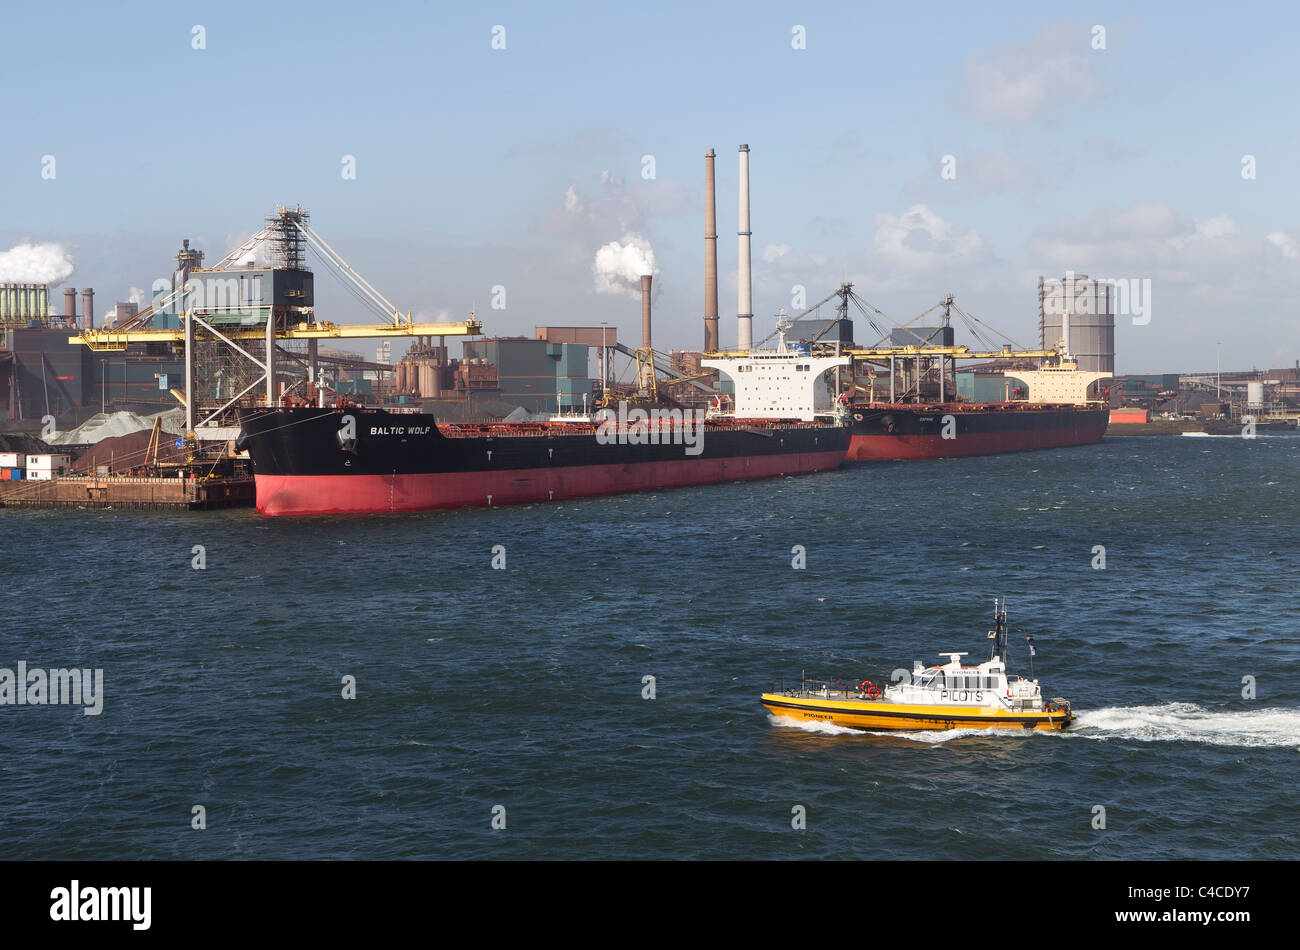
(832, 687)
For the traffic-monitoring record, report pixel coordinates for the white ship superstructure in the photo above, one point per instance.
(785, 383)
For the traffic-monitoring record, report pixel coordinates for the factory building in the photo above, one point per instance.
(42, 374)
(535, 374)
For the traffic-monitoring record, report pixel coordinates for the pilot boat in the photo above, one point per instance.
(950, 695)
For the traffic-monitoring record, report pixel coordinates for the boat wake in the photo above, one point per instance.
(1170, 722)
(1188, 722)
(929, 736)
(813, 725)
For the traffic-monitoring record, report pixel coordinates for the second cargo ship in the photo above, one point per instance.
(953, 430)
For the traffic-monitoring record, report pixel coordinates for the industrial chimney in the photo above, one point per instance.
(645, 310)
(645, 329)
(70, 305)
(710, 257)
(88, 308)
(745, 306)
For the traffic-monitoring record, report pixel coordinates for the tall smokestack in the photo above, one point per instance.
(70, 304)
(710, 257)
(647, 374)
(645, 310)
(744, 302)
(88, 308)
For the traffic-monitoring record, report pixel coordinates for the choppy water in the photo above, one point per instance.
(523, 688)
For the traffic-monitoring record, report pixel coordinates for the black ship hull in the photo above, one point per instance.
(963, 429)
(351, 460)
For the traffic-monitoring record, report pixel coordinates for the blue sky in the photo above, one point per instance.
(478, 167)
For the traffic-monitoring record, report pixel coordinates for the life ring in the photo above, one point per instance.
(870, 688)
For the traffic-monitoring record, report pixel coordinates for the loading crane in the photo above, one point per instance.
(289, 235)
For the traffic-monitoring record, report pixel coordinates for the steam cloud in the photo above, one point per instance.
(29, 263)
(618, 266)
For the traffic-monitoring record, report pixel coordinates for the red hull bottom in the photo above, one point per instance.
(369, 494)
(869, 448)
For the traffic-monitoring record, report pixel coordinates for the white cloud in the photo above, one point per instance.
(1212, 229)
(1013, 84)
(1144, 239)
(571, 203)
(1285, 243)
(784, 260)
(919, 240)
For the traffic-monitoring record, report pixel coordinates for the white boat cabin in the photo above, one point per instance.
(952, 684)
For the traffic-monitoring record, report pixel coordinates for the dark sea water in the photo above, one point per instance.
(522, 687)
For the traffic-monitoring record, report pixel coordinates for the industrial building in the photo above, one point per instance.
(536, 374)
(21, 304)
(42, 374)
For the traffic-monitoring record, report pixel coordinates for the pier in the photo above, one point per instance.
(129, 492)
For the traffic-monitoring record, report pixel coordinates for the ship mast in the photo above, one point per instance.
(999, 633)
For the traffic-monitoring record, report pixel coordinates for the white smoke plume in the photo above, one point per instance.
(619, 266)
(29, 263)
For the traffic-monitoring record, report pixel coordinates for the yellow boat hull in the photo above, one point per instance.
(877, 716)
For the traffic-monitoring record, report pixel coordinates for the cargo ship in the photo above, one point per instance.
(352, 460)
(1058, 412)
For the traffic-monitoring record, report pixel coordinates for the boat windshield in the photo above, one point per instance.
(930, 679)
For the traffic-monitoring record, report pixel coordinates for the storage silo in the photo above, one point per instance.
(1080, 313)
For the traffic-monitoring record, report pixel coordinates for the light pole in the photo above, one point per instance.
(1218, 379)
